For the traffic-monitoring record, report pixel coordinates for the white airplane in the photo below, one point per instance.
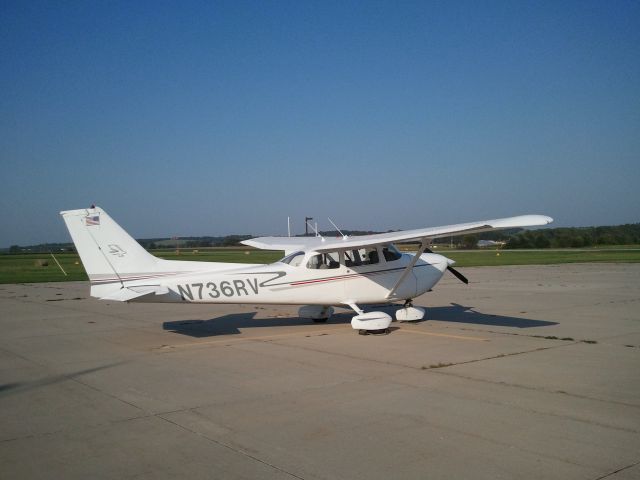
(316, 272)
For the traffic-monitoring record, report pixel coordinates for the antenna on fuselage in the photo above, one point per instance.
(344, 237)
(306, 225)
(315, 229)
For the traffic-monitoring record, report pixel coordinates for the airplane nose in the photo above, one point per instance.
(438, 261)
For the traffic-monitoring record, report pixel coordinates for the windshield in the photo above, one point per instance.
(293, 259)
(391, 253)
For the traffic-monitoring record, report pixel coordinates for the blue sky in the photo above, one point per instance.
(209, 118)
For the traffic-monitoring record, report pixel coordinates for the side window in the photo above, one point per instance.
(324, 261)
(390, 253)
(362, 256)
(371, 256)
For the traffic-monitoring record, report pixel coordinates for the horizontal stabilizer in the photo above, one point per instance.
(126, 294)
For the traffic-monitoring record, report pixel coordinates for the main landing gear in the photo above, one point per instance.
(365, 323)
(370, 322)
(378, 322)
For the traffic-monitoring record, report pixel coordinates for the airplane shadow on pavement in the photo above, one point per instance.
(461, 314)
(232, 324)
(18, 387)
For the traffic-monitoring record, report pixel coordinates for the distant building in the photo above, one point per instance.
(490, 243)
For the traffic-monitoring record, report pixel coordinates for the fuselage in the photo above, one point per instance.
(311, 279)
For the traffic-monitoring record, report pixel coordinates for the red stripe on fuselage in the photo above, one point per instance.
(345, 277)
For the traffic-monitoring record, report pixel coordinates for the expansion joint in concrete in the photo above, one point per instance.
(233, 449)
(617, 471)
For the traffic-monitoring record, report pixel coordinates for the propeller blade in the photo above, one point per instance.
(458, 275)
(455, 272)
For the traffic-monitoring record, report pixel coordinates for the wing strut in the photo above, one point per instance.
(409, 267)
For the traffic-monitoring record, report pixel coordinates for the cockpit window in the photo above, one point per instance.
(293, 259)
(324, 260)
(391, 253)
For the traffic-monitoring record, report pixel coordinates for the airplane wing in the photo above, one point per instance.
(320, 244)
(288, 244)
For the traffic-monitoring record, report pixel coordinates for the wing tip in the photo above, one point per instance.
(249, 243)
(541, 219)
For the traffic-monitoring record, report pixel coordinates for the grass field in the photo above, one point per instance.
(481, 258)
(28, 268)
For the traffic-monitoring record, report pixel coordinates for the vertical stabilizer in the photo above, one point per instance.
(106, 250)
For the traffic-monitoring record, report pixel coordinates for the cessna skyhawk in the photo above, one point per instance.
(316, 272)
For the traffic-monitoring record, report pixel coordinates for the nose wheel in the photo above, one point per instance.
(384, 331)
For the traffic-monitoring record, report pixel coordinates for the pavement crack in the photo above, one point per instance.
(535, 389)
(617, 471)
(69, 429)
(493, 357)
(540, 337)
(344, 355)
(232, 448)
(114, 397)
(536, 411)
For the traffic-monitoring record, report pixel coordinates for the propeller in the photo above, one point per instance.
(458, 275)
(455, 272)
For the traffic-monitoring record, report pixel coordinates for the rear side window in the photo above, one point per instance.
(361, 256)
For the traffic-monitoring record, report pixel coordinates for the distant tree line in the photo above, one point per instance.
(628, 234)
(193, 242)
(43, 248)
(574, 237)
(148, 243)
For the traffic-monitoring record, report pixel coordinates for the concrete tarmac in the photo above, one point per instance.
(528, 372)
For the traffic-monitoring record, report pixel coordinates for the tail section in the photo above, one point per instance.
(118, 267)
(108, 253)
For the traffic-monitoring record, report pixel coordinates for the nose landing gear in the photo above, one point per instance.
(409, 313)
